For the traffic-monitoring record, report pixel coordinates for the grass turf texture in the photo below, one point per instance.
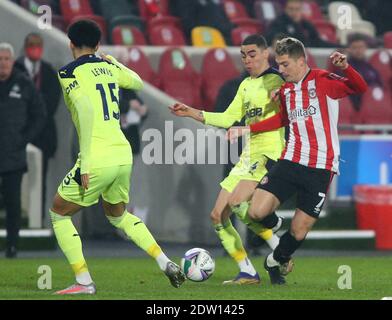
(140, 278)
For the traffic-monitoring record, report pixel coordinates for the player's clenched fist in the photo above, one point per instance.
(180, 110)
(339, 60)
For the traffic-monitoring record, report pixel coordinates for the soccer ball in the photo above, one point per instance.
(198, 264)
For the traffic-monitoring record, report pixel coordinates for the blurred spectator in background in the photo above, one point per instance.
(45, 80)
(22, 119)
(292, 24)
(133, 112)
(357, 46)
(195, 13)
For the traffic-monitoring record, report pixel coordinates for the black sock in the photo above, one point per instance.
(287, 246)
(270, 221)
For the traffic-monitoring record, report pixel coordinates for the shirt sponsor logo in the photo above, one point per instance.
(296, 114)
(71, 86)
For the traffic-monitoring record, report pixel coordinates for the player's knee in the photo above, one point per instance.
(234, 201)
(216, 216)
(299, 233)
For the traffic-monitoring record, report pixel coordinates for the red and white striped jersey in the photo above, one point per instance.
(312, 107)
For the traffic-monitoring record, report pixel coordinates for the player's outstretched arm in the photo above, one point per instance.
(182, 110)
(352, 84)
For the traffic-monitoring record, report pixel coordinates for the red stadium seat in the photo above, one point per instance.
(73, 8)
(376, 106)
(58, 22)
(312, 11)
(168, 35)
(217, 68)
(127, 35)
(180, 80)
(388, 39)
(234, 9)
(238, 34)
(326, 30)
(151, 8)
(138, 61)
(381, 60)
(163, 21)
(98, 19)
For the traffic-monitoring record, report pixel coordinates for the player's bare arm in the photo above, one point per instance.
(182, 110)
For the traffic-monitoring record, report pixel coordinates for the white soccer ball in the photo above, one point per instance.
(198, 264)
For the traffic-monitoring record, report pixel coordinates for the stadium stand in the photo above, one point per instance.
(326, 30)
(70, 9)
(234, 9)
(207, 37)
(381, 60)
(217, 67)
(151, 8)
(267, 11)
(127, 35)
(388, 39)
(136, 59)
(180, 80)
(376, 106)
(168, 35)
(312, 11)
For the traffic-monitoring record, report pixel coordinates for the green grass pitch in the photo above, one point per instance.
(140, 279)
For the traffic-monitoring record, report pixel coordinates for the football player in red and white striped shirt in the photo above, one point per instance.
(309, 107)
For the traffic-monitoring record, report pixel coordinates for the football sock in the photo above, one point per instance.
(270, 221)
(232, 243)
(258, 228)
(287, 246)
(71, 245)
(137, 231)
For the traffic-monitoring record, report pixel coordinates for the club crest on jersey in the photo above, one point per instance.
(253, 167)
(312, 93)
(264, 180)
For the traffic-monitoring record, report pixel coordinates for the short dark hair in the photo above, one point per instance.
(32, 35)
(356, 37)
(290, 46)
(84, 33)
(256, 39)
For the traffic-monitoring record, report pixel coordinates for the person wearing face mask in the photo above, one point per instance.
(45, 80)
(22, 118)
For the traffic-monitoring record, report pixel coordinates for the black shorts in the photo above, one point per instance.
(287, 178)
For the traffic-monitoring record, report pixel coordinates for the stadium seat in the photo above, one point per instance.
(335, 9)
(347, 115)
(358, 25)
(207, 37)
(388, 39)
(70, 9)
(266, 11)
(238, 34)
(234, 9)
(111, 9)
(168, 35)
(129, 20)
(326, 30)
(376, 106)
(163, 21)
(127, 35)
(149, 9)
(138, 61)
(312, 11)
(381, 60)
(180, 79)
(98, 19)
(217, 67)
